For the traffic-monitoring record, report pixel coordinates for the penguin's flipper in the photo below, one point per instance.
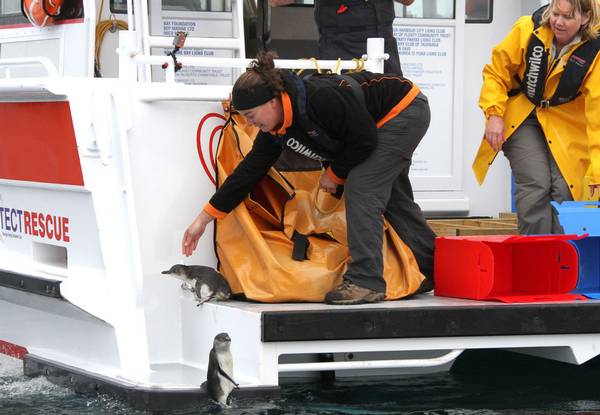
(186, 286)
(226, 376)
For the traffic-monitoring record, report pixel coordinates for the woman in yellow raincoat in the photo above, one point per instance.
(541, 99)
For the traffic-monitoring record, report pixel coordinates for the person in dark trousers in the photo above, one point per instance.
(367, 147)
(345, 25)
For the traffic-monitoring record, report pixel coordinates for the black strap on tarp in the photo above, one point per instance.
(301, 244)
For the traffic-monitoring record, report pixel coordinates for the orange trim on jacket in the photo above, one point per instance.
(408, 98)
(333, 177)
(288, 114)
(214, 212)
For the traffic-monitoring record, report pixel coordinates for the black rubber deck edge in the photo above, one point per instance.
(390, 323)
(140, 398)
(42, 286)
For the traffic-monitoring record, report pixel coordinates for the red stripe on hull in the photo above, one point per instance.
(12, 350)
(37, 143)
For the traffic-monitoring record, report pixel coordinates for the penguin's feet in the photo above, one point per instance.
(203, 300)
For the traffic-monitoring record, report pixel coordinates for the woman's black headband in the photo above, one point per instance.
(252, 98)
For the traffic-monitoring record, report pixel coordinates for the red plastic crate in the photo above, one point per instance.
(515, 268)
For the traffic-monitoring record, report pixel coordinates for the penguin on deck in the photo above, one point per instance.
(204, 282)
(219, 377)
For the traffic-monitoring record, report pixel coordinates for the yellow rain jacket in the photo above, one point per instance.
(256, 242)
(571, 129)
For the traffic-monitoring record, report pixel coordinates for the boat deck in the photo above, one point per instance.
(424, 315)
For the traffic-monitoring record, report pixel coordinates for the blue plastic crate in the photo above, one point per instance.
(582, 218)
(578, 218)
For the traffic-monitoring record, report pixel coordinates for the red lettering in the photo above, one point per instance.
(42, 225)
(27, 223)
(49, 226)
(46, 226)
(34, 224)
(65, 228)
(58, 229)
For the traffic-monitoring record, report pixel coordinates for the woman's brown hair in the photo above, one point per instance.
(261, 71)
(587, 31)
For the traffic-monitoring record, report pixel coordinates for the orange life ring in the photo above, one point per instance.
(34, 9)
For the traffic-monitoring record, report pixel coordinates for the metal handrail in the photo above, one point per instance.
(21, 62)
(243, 63)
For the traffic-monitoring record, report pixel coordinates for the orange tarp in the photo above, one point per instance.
(255, 241)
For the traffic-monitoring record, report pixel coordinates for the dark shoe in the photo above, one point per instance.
(427, 285)
(349, 293)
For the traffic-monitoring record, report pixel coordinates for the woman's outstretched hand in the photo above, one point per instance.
(194, 232)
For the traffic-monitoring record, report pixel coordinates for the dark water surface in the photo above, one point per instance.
(480, 382)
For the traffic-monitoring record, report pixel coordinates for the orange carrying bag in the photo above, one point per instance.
(277, 246)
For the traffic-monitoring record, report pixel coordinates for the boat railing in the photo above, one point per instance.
(131, 59)
(23, 83)
(45, 63)
(132, 62)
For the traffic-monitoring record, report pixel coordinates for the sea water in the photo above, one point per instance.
(479, 383)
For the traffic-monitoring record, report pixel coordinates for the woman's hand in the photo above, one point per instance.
(494, 132)
(327, 184)
(594, 187)
(194, 232)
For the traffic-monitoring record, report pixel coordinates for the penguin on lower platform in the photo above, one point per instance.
(204, 282)
(219, 376)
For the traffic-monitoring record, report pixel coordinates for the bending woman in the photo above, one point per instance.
(366, 146)
(541, 97)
